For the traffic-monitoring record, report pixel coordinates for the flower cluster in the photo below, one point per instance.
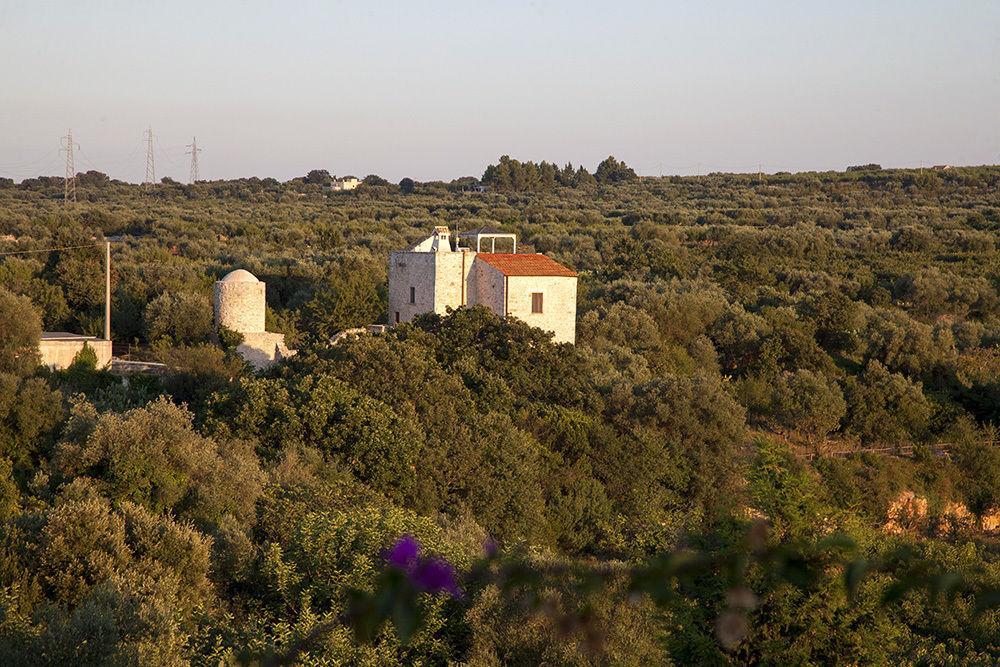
(429, 574)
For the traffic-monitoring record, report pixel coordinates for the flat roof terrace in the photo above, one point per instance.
(63, 335)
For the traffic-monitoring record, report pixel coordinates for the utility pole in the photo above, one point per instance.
(107, 290)
(69, 184)
(193, 152)
(760, 173)
(150, 166)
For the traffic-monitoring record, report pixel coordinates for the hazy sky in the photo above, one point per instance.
(440, 89)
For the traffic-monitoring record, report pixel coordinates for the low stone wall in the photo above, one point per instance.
(263, 349)
(59, 353)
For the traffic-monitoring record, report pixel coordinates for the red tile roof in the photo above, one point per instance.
(525, 264)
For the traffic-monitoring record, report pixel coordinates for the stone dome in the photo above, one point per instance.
(240, 276)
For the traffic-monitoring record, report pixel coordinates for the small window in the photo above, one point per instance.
(413, 295)
(536, 302)
(397, 317)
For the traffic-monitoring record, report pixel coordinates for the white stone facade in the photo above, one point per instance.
(432, 277)
(558, 304)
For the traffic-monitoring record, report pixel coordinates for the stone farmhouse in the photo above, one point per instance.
(435, 274)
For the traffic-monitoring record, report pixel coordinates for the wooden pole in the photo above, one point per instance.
(107, 290)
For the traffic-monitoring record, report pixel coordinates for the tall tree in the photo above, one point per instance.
(22, 329)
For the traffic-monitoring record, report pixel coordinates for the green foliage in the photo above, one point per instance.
(803, 401)
(612, 171)
(326, 414)
(782, 489)
(30, 415)
(703, 433)
(120, 580)
(229, 340)
(179, 319)
(510, 175)
(25, 277)
(886, 407)
(350, 296)
(151, 456)
(613, 477)
(22, 329)
(980, 464)
(197, 372)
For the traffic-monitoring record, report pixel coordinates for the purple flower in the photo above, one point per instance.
(432, 575)
(405, 554)
(436, 575)
(490, 547)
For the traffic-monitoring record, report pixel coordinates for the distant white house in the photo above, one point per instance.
(346, 183)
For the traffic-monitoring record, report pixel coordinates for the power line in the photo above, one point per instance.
(69, 184)
(85, 159)
(52, 163)
(68, 247)
(165, 153)
(193, 152)
(32, 163)
(150, 165)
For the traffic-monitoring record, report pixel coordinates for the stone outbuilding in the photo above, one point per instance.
(58, 349)
(434, 275)
(240, 306)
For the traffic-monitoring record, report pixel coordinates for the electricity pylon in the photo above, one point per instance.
(150, 165)
(193, 151)
(69, 183)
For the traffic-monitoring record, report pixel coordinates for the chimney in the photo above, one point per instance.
(442, 242)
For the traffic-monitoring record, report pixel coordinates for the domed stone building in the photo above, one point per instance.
(240, 306)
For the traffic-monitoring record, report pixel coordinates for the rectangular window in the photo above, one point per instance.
(413, 295)
(397, 317)
(536, 302)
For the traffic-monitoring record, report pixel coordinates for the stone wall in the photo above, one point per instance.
(240, 306)
(452, 277)
(58, 354)
(558, 304)
(406, 270)
(261, 349)
(489, 287)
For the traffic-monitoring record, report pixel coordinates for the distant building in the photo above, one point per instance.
(240, 307)
(348, 183)
(941, 167)
(433, 275)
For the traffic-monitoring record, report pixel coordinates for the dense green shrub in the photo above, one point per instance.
(730, 326)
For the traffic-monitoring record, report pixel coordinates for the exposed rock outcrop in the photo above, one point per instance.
(906, 513)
